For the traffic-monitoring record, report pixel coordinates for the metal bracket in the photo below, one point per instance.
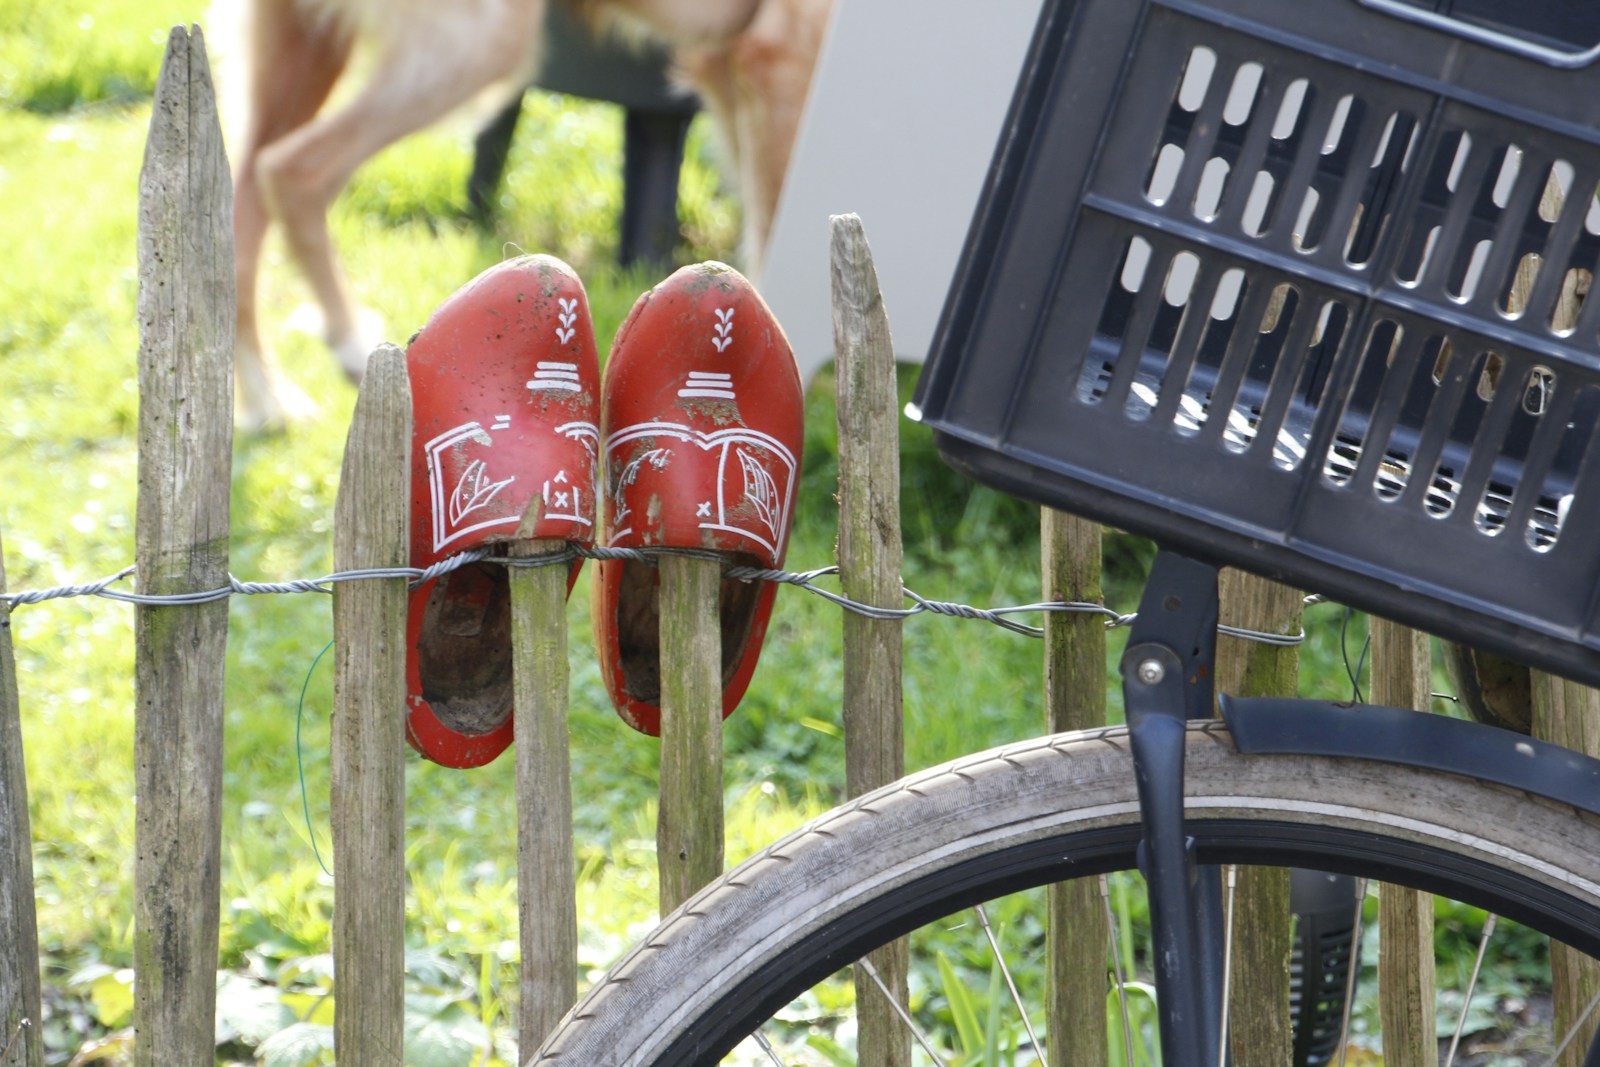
(1177, 614)
(1167, 675)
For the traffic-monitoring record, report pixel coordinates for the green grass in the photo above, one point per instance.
(74, 88)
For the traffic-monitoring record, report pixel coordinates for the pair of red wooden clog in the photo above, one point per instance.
(693, 441)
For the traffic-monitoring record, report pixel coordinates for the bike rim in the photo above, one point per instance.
(768, 988)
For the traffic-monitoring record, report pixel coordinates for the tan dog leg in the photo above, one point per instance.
(293, 66)
(755, 84)
(426, 68)
(751, 59)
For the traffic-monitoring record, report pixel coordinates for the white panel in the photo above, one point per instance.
(904, 113)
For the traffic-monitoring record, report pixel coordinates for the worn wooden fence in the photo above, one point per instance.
(186, 308)
(20, 1001)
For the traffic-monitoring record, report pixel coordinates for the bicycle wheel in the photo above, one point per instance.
(1046, 810)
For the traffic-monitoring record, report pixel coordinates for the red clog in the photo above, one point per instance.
(505, 395)
(703, 417)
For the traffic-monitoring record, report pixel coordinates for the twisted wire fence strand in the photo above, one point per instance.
(1001, 617)
(807, 580)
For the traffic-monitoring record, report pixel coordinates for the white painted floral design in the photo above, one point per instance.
(751, 498)
(474, 491)
(760, 491)
(462, 489)
(722, 337)
(657, 458)
(568, 316)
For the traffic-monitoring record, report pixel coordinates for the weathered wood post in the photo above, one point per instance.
(870, 560)
(186, 330)
(689, 831)
(1564, 712)
(1568, 714)
(19, 928)
(547, 907)
(367, 759)
(1402, 677)
(1075, 699)
(1259, 1004)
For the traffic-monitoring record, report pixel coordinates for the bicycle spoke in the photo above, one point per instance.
(22, 1025)
(1352, 969)
(1116, 963)
(1472, 982)
(899, 1009)
(766, 1046)
(1016, 998)
(1227, 963)
(1572, 1032)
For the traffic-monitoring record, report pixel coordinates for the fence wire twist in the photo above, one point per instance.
(1001, 617)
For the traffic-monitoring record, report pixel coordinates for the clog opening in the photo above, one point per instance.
(464, 653)
(639, 625)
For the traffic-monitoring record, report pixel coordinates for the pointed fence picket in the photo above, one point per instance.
(186, 328)
(368, 790)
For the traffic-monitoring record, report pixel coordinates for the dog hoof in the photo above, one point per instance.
(264, 401)
(353, 352)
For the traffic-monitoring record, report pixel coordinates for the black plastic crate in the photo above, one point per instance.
(1300, 287)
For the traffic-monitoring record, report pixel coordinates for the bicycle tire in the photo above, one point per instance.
(1040, 811)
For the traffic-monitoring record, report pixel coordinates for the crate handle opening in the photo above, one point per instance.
(1554, 57)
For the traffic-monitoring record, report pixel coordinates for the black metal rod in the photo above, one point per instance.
(1167, 674)
(1158, 756)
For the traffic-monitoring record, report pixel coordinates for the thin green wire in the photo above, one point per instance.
(299, 716)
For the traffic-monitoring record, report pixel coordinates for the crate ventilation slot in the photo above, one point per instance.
(1288, 160)
(1293, 160)
(1228, 357)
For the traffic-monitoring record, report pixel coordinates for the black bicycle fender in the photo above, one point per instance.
(1281, 726)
